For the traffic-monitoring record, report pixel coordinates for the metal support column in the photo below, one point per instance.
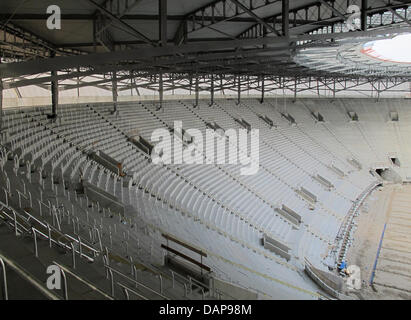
(295, 90)
(114, 89)
(212, 90)
(54, 91)
(285, 5)
(364, 7)
(238, 90)
(262, 89)
(161, 91)
(197, 92)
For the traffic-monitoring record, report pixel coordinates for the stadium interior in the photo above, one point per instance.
(324, 87)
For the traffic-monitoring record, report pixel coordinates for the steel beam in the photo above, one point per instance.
(395, 13)
(134, 31)
(335, 11)
(256, 17)
(121, 11)
(301, 18)
(101, 34)
(370, 11)
(100, 59)
(307, 15)
(213, 13)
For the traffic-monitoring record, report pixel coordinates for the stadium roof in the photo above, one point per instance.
(185, 38)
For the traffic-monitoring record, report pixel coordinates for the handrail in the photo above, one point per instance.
(345, 227)
(47, 227)
(87, 283)
(73, 251)
(19, 193)
(36, 251)
(47, 235)
(70, 238)
(21, 272)
(126, 290)
(5, 290)
(63, 274)
(198, 283)
(161, 283)
(83, 245)
(99, 239)
(109, 268)
(111, 278)
(193, 282)
(15, 223)
(190, 280)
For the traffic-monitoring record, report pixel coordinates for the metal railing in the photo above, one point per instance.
(111, 271)
(127, 290)
(20, 228)
(4, 283)
(189, 282)
(35, 231)
(65, 271)
(13, 217)
(46, 231)
(346, 227)
(24, 275)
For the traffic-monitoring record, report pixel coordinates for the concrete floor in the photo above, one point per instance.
(390, 205)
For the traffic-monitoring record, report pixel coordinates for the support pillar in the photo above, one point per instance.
(212, 90)
(161, 91)
(295, 90)
(238, 90)
(54, 91)
(285, 9)
(162, 36)
(364, 7)
(197, 92)
(114, 88)
(262, 89)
